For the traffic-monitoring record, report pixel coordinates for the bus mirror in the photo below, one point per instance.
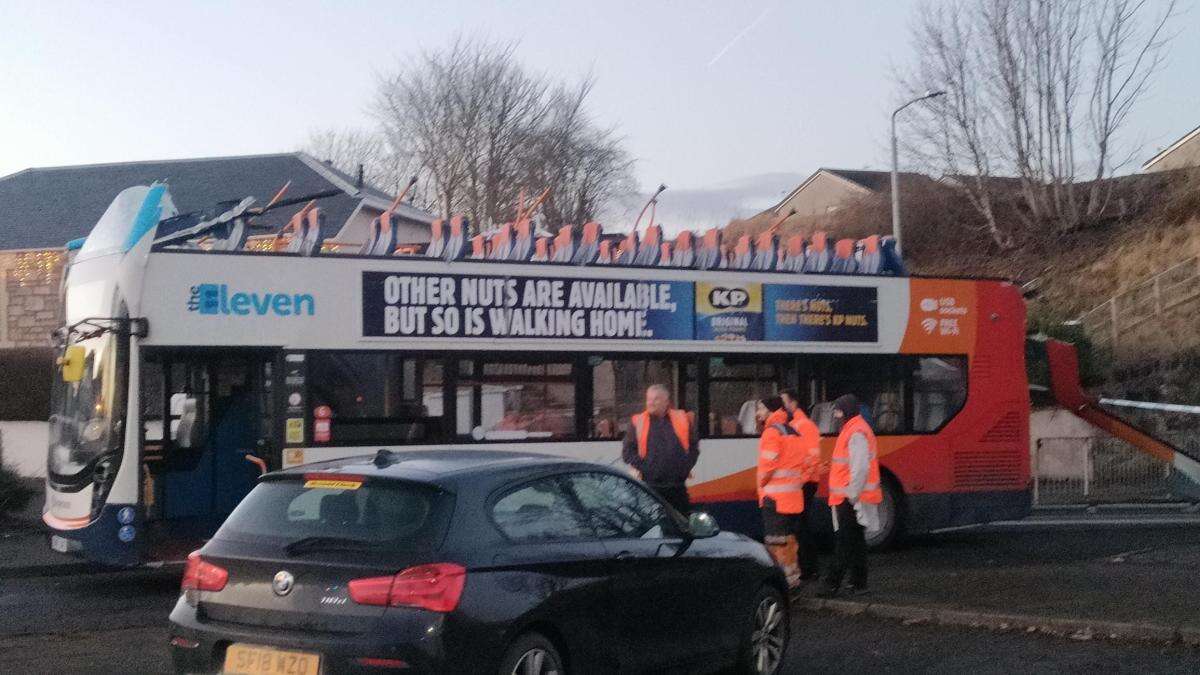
(71, 363)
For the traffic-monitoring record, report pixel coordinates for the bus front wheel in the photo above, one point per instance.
(891, 516)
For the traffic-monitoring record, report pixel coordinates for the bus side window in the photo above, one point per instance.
(619, 392)
(939, 391)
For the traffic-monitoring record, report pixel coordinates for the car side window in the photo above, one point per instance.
(620, 508)
(541, 511)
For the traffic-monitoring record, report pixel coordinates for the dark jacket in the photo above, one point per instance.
(666, 462)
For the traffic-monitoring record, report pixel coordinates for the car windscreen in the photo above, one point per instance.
(375, 514)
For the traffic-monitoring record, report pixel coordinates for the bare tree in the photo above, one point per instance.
(1128, 58)
(483, 128)
(347, 149)
(1038, 90)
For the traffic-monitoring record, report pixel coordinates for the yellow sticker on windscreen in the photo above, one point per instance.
(333, 484)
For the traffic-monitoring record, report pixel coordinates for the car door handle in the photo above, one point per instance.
(624, 555)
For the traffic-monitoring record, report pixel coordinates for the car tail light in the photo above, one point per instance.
(201, 575)
(435, 587)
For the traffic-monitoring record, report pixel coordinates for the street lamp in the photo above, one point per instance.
(896, 166)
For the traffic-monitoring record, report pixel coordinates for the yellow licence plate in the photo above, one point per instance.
(255, 660)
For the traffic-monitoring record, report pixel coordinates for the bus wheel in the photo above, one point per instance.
(891, 517)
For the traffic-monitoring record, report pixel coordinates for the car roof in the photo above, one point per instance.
(435, 465)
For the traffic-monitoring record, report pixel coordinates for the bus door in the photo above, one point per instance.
(210, 439)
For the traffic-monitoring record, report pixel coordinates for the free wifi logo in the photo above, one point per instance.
(929, 324)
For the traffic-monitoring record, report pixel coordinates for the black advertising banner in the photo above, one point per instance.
(480, 306)
(796, 313)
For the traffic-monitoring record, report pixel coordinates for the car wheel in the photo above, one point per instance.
(532, 654)
(770, 625)
(891, 517)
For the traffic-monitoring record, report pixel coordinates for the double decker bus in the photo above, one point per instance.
(193, 362)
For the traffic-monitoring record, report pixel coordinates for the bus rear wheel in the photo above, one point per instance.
(891, 517)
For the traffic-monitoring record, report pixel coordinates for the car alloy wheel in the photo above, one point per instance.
(536, 661)
(769, 637)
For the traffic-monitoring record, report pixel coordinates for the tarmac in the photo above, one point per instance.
(1121, 573)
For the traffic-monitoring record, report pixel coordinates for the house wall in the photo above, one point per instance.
(824, 193)
(1186, 155)
(29, 298)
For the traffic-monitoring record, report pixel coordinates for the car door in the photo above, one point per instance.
(663, 593)
(553, 564)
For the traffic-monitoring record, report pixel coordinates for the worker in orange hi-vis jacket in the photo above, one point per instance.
(813, 468)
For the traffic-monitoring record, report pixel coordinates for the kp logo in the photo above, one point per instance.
(217, 299)
(728, 298)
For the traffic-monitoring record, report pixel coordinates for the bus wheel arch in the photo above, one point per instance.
(893, 514)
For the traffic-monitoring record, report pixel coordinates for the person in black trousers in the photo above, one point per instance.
(662, 445)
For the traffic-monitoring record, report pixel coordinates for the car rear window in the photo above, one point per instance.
(388, 513)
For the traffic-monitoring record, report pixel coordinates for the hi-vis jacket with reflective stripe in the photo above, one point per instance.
(810, 439)
(782, 461)
(840, 475)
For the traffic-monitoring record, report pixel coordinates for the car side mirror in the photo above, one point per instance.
(701, 525)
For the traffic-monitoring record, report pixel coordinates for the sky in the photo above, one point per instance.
(704, 92)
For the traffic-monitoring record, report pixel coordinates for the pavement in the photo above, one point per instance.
(1133, 566)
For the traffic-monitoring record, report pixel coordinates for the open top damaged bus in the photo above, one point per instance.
(196, 356)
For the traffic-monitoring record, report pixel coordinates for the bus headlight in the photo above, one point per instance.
(94, 429)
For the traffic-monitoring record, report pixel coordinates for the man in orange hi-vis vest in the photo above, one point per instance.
(662, 445)
(810, 441)
(854, 496)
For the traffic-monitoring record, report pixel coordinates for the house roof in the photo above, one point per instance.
(862, 179)
(47, 207)
(1171, 148)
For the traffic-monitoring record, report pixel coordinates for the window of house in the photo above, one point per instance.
(735, 385)
(541, 511)
(377, 397)
(619, 391)
(511, 400)
(939, 390)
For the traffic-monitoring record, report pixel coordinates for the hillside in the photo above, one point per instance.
(1154, 223)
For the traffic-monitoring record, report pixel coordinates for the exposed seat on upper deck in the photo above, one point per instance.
(684, 253)
(522, 244)
(816, 255)
(563, 250)
(589, 245)
(627, 249)
(792, 254)
(890, 261)
(766, 250)
(500, 242)
(456, 243)
(743, 253)
(437, 239)
(869, 257)
(710, 254)
(541, 250)
(843, 258)
(650, 247)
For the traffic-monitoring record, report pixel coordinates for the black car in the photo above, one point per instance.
(473, 561)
